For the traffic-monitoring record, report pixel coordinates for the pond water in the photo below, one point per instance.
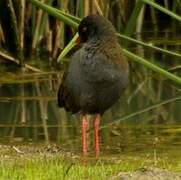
(29, 112)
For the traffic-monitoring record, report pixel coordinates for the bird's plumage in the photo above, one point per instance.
(97, 73)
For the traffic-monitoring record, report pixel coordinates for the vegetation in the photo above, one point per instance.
(34, 34)
(21, 162)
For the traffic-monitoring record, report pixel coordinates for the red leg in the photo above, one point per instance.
(96, 134)
(84, 129)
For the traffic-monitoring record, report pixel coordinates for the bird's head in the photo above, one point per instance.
(95, 26)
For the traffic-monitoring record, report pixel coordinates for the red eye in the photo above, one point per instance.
(84, 29)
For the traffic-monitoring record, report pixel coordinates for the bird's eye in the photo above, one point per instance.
(84, 29)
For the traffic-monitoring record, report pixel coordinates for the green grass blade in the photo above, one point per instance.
(77, 21)
(54, 13)
(130, 39)
(152, 66)
(43, 22)
(130, 28)
(149, 46)
(164, 10)
(147, 109)
(134, 57)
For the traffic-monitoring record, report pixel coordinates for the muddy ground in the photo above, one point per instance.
(149, 173)
(10, 153)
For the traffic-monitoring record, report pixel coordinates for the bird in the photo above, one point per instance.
(96, 76)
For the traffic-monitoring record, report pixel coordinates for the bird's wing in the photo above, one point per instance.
(64, 97)
(62, 92)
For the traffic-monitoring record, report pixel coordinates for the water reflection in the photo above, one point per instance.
(29, 111)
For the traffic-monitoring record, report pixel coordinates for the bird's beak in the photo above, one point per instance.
(78, 40)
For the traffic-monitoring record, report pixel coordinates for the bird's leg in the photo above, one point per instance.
(84, 129)
(96, 134)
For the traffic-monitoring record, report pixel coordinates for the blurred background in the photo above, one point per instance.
(30, 42)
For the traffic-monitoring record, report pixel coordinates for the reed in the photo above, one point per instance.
(36, 32)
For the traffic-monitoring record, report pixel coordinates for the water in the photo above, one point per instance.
(29, 113)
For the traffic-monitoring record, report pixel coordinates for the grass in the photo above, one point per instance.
(56, 168)
(31, 164)
(129, 54)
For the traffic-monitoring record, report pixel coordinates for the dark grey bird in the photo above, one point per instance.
(97, 74)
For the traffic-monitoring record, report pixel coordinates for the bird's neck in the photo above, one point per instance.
(100, 41)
